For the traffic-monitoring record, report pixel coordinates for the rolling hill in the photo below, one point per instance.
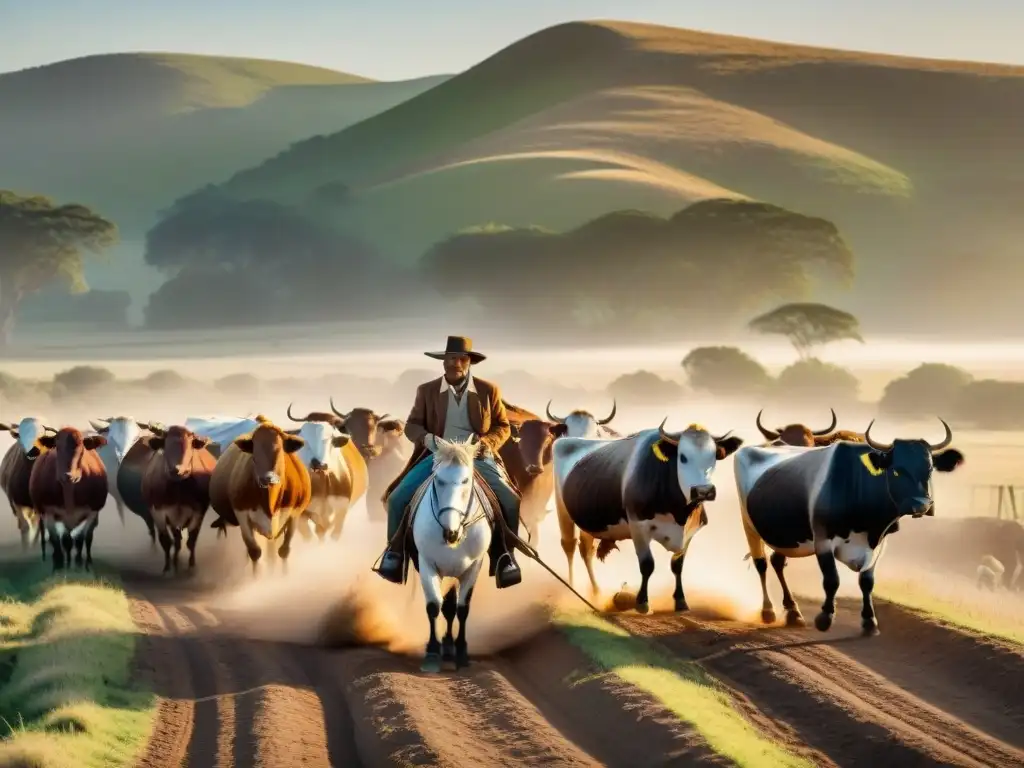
(129, 133)
(920, 162)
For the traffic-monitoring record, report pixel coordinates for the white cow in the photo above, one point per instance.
(122, 432)
(581, 423)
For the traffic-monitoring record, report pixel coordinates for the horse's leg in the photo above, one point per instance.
(448, 610)
(431, 582)
(466, 586)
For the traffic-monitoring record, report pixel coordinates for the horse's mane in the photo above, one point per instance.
(459, 453)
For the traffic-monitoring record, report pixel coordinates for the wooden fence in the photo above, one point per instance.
(1002, 497)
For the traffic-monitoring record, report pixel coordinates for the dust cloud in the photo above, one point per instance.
(329, 596)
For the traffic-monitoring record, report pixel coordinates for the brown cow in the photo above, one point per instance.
(15, 471)
(803, 436)
(262, 486)
(176, 489)
(68, 487)
(337, 470)
(382, 442)
(528, 458)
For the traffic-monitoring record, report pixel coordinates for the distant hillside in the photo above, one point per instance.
(919, 162)
(130, 133)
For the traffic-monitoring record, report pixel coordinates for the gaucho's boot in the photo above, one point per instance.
(503, 560)
(394, 565)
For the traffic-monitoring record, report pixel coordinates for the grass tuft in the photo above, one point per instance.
(66, 692)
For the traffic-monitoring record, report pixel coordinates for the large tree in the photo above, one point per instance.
(629, 271)
(40, 242)
(808, 326)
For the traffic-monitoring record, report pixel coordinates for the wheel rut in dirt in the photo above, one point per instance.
(229, 700)
(918, 694)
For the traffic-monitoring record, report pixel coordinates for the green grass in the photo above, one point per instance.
(67, 697)
(966, 608)
(682, 687)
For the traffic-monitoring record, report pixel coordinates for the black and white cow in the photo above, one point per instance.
(650, 486)
(837, 502)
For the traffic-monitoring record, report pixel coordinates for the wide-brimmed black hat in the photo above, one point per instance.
(458, 345)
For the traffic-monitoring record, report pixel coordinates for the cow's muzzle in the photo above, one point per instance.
(917, 506)
(703, 493)
(317, 466)
(268, 479)
(534, 469)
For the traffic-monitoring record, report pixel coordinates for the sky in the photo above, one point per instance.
(396, 39)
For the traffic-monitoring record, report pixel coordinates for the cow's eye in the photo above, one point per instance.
(682, 459)
(895, 473)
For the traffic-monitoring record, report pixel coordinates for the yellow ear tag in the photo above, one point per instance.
(869, 466)
(659, 454)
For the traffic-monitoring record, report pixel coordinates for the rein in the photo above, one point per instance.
(437, 510)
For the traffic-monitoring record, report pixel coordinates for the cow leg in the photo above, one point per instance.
(568, 529)
(120, 508)
(793, 616)
(448, 610)
(66, 543)
(165, 542)
(587, 549)
(88, 546)
(193, 538)
(677, 571)
(431, 582)
(251, 545)
(466, 586)
(57, 553)
(755, 545)
(306, 526)
(866, 580)
(642, 544)
(23, 526)
(151, 527)
(79, 543)
(176, 535)
(340, 513)
(41, 532)
(286, 544)
(830, 582)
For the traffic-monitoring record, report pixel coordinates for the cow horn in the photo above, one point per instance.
(289, 413)
(610, 415)
(385, 417)
(553, 418)
(720, 439)
(835, 423)
(946, 442)
(665, 435)
(872, 443)
(769, 435)
(50, 429)
(336, 411)
(98, 424)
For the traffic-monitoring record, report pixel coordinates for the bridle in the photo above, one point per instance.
(464, 520)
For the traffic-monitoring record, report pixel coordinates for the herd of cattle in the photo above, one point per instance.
(829, 493)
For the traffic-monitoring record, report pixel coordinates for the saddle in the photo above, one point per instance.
(492, 510)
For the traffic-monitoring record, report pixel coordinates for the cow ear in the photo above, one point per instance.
(198, 442)
(877, 461)
(559, 430)
(340, 441)
(947, 460)
(92, 442)
(48, 441)
(391, 425)
(155, 443)
(292, 444)
(244, 444)
(727, 447)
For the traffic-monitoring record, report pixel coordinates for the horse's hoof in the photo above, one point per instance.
(767, 616)
(823, 621)
(681, 605)
(795, 619)
(431, 663)
(447, 652)
(643, 607)
(870, 628)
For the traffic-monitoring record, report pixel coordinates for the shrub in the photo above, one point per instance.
(644, 386)
(816, 381)
(931, 389)
(164, 380)
(725, 371)
(991, 404)
(238, 384)
(82, 378)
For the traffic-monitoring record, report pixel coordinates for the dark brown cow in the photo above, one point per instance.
(129, 477)
(528, 458)
(176, 489)
(803, 436)
(15, 471)
(261, 485)
(68, 487)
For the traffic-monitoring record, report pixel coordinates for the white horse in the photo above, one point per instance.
(451, 529)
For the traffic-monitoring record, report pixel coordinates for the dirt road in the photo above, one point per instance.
(918, 695)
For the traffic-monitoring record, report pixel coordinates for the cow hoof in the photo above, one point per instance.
(767, 616)
(461, 658)
(431, 663)
(643, 607)
(681, 605)
(447, 651)
(870, 629)
(795, 619)
(823, 622)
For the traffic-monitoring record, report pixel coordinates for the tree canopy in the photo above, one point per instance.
(725, 371)
(42, 241)
(251, 262)
(709, 264)
(808, 325)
